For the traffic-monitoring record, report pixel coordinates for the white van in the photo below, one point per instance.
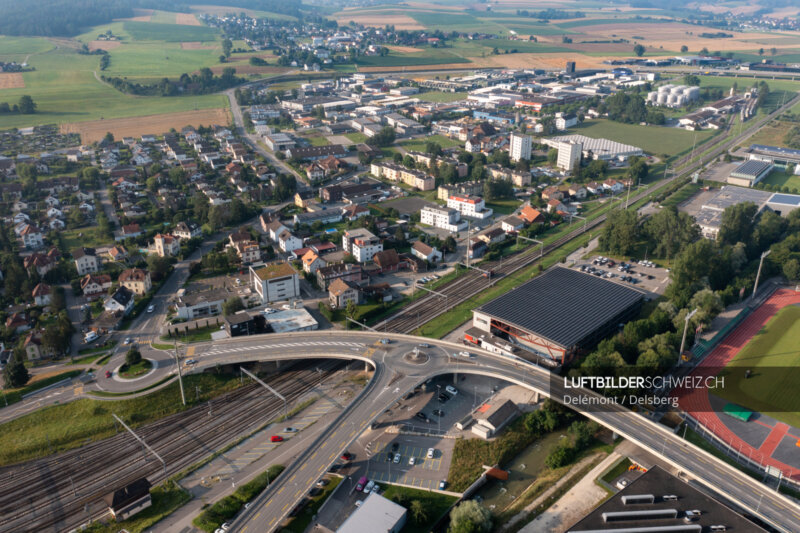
(92, 335)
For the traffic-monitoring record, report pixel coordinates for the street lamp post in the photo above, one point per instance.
(758, 275)
(686, 327)
(439, 408)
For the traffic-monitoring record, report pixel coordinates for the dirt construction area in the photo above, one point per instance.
(95, 130)
(11, 80)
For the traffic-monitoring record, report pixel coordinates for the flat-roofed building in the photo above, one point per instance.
(376, 515)
(442, 217)
(275, 282)
(749, 173)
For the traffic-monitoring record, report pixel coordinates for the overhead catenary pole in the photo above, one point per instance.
(141, 441)
(270, 389)
(180, 375)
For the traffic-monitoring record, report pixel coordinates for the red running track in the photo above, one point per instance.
(696, 401)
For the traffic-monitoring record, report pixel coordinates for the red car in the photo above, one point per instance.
(108, 373)
(346, 456)
(276, 438)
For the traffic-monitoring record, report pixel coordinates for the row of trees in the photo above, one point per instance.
(203, 82)
(25, 106)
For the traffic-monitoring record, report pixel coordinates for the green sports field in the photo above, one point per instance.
(773, 357)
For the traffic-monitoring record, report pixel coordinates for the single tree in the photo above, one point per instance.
(419, 514)
(639, 50)
(15, 374)
(133, 357)
(26, 105)
(470, 517)
(232, 305)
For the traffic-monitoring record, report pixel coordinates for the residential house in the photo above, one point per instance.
(166, 245)
(86, 261)
(136, 280)
(355, 211)
(34, 348)
(315, 172)
(387, 261)
(187, 230)
(248, 251)
(613, 186)
(312, 262)
(361, 243)
(552, 192)
(129, 231)
(274, 229)
(477, 248)
(531, 215)
(341, 292)
(288, 242)
(42, 294)
(427, 253)
(512, 224)
(594, 188)
(492, 236)
(345, 271)
(18, 322)
(43, 263)
(577, 192)
(117, 253)
(94, 285)
(565, 120)
(555, 206)
(199, 304)
(121, 301)
(32, 237)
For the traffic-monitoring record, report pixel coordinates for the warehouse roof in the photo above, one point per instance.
(659, 501)
(752, 169)
(376, 514)
(785, 199)
(562, 305)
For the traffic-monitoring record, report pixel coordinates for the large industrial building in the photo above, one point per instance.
(604, 149)
(750, 172)
(709, 217)
(559, 313)
(660, 502)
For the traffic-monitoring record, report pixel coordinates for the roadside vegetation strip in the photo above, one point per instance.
(16, 395)
(97, 349)
(88, 359)
(436, 504)
(229, 506)
(167, 498)
(299, 523)
(131, 394)
(67, 426)
(547, 481)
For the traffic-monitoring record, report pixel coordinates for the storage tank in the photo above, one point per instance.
(677, 89)
(672, 99)
(665, 88)
(693, 93)
(662, 98)
(681, 100)
(652, 96)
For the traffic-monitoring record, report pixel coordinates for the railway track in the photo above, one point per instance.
(471, 283)
(63, 491)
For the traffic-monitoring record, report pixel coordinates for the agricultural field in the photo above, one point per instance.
(651, 139)
(94, 130)
(65, 84)
(604, 33)
(773, 357)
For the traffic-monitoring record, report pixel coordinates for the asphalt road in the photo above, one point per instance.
(395, 374)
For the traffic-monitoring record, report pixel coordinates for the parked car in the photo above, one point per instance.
(411, 461)
(369, 485)
(442, 484)
(346, 456)
(431, 452)
(323, 482)
(452, 390)
(361, 483)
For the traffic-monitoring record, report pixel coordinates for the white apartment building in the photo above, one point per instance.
(569, 155)
(361, 243)
(442, 217)
(275, 282)
(520, 147)
(469, 206)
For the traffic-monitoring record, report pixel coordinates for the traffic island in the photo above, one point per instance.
(136, 371)
(415, 357)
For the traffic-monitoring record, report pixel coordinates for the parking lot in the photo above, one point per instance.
(425, 473)
(640, 274)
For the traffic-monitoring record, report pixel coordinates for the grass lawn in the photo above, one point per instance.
(139, 369)
(357, 137)
(782, 179)
(167, 497)
(429, 56)
(155, 31)
(299, 523)
(317, 140)
(439, 96)
(86, 360)
(772, 134)
(195, 335)
(97, 349)
(651, 139)
(616, 471)
(436, 504)
(504, 207)
(69, 425)
(418, 145)
(774, 358)
(682, 194)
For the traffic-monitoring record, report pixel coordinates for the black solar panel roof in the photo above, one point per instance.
(562, 305)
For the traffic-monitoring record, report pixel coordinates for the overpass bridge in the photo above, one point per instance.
(397, 371)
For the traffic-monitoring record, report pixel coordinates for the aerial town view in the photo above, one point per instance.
(399, 266)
